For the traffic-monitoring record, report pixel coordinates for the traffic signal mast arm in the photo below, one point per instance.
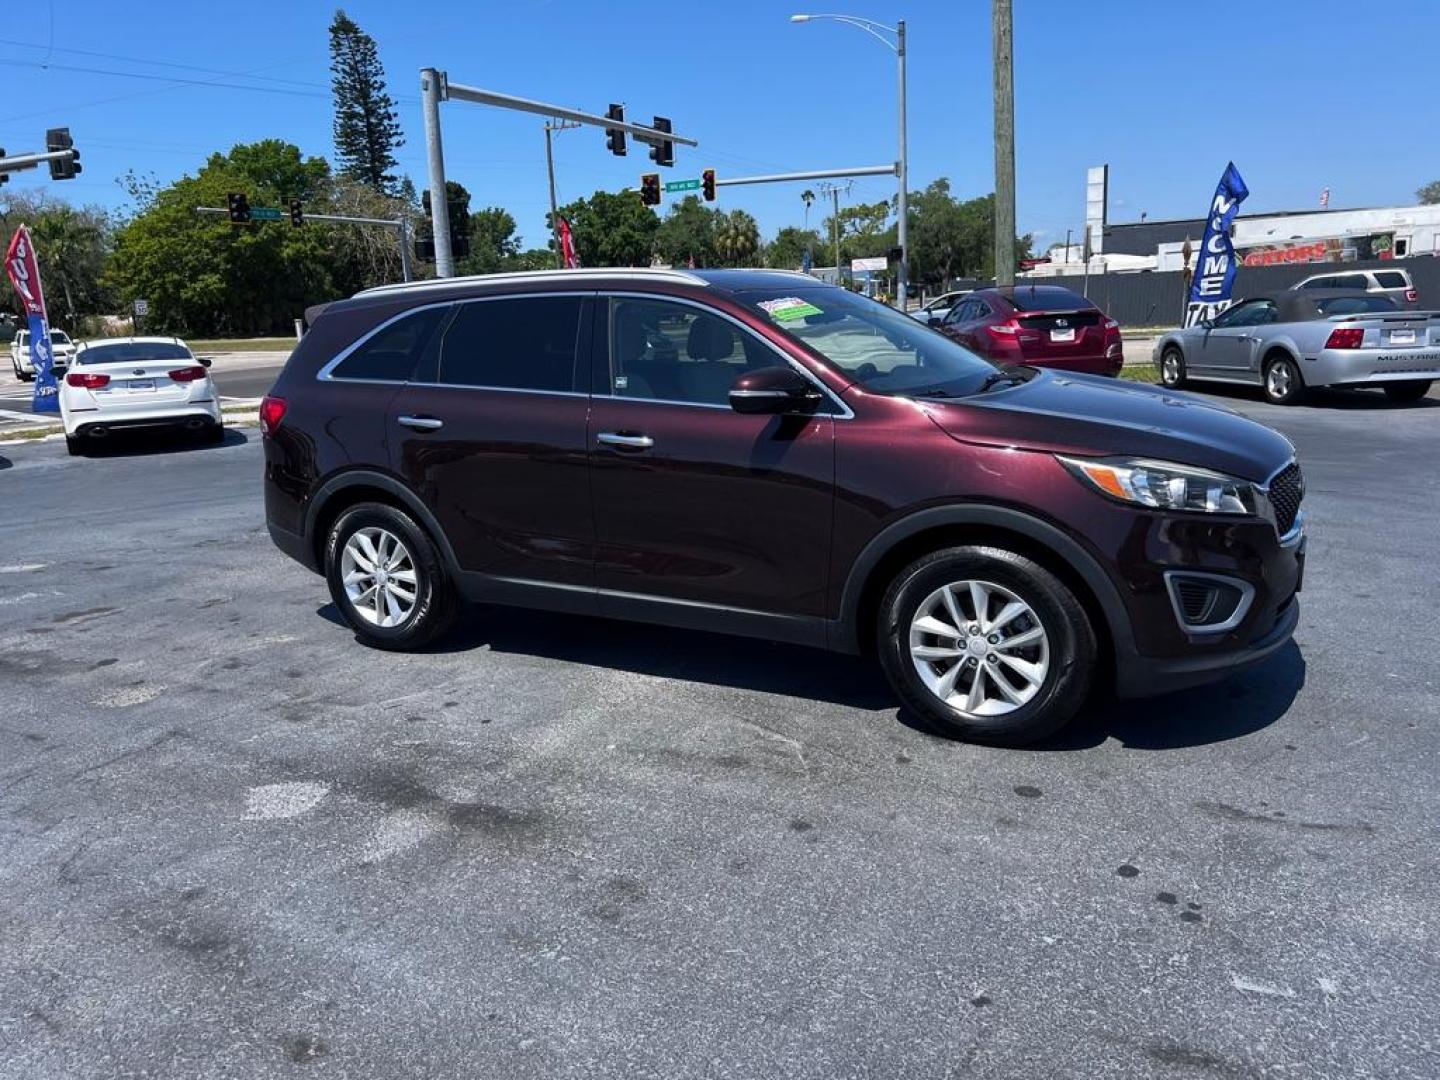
(649, 135)
(16, 162)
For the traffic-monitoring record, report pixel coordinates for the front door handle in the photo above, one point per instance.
(624, 441)
(421, 423)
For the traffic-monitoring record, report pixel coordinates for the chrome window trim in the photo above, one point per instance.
(846, 412)
(325, 373)
(1242, 608)
(522, 276)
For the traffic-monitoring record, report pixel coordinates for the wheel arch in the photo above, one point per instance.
(938, 527)
(356, 486)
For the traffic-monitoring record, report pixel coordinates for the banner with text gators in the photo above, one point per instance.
(1215, 269)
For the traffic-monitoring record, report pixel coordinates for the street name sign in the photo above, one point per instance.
(681, 185)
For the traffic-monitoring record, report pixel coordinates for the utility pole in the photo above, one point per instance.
(903, 209)
(554, 125)
(432, 92)
(1002, 37)
(833, 190)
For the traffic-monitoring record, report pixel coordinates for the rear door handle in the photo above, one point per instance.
(421, 423)
(624, 441)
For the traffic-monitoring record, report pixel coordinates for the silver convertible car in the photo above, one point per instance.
(1288, 342)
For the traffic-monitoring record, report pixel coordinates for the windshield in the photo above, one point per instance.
(882, 350)
(57, 337)
(130, 352)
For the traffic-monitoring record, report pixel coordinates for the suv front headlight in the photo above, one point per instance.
(1163, 485)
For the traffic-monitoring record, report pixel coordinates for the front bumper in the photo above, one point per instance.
(1142, 677)
(1372, 367)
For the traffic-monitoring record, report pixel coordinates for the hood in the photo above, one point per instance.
(1090, 416)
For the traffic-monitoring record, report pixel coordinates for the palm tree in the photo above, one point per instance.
(737, 238)
(807, 197)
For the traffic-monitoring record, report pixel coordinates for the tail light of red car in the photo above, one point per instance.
(87, 380)
(1112, 324)
(1345, 337)
(188, 374)
(1005, 329)
(272, 411)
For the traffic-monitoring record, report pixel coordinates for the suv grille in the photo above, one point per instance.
(1286, 491)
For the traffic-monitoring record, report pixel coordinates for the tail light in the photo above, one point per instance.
(1345, 337)
(1112, 324)
(188, 374)
(272, 411)
(1411, 295)
(87, 380)
(1008, 329)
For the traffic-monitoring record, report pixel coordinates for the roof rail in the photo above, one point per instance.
(679, 276)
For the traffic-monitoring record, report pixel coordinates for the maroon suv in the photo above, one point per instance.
(1041, 325)
(757, 453)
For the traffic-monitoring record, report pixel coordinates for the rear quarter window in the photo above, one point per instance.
(1391, 279)
(391, 353)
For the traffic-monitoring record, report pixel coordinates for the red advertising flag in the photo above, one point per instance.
(24, 272)
(568, 258)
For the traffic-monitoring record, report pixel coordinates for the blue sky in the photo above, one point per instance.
(1302, 94)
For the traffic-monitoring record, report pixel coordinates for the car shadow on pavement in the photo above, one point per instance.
(143, 443)
(692, 655)
(1240, 705)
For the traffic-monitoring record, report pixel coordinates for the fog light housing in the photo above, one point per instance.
(1208, 603)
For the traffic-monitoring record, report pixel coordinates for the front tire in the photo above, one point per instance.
(987, 645)
(1407, 392)
(388, 578)
(1282, 382)
(1172, 368)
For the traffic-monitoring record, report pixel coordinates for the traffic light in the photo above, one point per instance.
(650, 188)
(707, 185)
(65, 168)
(425, 203)
(239, 204)
(663, 153)
(297, 212)
(614, 137)
(424, 249)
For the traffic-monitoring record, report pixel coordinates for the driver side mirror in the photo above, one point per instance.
(772, 390)
(1206, 324)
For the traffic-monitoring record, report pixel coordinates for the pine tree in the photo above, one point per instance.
(367, 128)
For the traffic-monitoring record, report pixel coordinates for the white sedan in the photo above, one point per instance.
(137, 382)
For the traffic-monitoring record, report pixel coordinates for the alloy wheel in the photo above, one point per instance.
(979, 648)
(1277, 380)
(378, 573)
(1170, 368)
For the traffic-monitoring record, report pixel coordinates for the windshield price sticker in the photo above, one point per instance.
(789, 308)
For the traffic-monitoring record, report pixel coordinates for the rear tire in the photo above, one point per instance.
(1282, 383)
(75, 444)
(417, 602)
(1023, 636)
(1406, 392)
(213, 435)
(1172, 368)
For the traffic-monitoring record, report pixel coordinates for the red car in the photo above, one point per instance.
(1041, 325)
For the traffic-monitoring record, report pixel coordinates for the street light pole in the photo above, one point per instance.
(432, 93)
(878, 31)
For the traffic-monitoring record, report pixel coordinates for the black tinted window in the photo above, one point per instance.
(1350, 305)
(132, 352)
(1319, 283)
(1350, 281)
(1047, 298)
(1391, 279)
(528, 343)
(675, 352)
(390, 353)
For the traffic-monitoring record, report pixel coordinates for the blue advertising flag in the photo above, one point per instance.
(1215, 269)
(24, 273)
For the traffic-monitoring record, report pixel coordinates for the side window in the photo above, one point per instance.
(525, 343)
(1318, 283)
(1391, 279)
(390, 354)
(1239, 315)
(981, 310)
(1265, 312)
(1351, 281)
(661, 351)
(960, 312)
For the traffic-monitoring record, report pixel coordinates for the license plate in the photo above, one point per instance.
(1062, 335)
(1402, 337)
(141, 384)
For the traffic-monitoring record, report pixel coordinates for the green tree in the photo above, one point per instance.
(203, 276)
(1429, 195)
(787, 250)
(72, 246)
(492, 241)
(367, 127)
(688, 232)
(737, 239)
(612, 230)
(365, 255)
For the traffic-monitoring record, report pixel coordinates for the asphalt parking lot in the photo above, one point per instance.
(235, 843)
